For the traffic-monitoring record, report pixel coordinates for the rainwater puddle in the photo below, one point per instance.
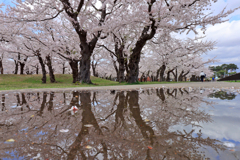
(159, 123)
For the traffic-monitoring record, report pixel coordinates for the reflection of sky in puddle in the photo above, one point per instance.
(132, 124)
(225, 126)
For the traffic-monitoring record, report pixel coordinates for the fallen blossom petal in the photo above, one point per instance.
(88, 147)
(64, 130)
(88, 125)
(149, 147)
(10, 140)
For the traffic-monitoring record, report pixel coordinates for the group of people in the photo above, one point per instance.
(203, 75)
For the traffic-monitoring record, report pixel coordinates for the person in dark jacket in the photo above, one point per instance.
(202, 75)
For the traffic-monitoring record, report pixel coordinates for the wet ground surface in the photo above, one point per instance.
(153, 123)
(212, 85)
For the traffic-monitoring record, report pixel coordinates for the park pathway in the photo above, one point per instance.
(220, 85)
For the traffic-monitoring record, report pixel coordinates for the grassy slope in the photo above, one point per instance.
(233, 81)
(11, 82)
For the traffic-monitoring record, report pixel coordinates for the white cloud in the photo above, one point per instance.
(225, 34)
(228, 42)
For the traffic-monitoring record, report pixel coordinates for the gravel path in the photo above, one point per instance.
(220, 85)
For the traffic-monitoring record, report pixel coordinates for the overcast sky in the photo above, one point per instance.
(227, 34)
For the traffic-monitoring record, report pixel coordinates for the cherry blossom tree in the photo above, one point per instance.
(78, 13)
(173, 16)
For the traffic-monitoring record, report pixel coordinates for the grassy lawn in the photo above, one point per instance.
(11, 82)
(233, 81)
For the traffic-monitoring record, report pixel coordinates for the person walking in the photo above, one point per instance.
(202, 75)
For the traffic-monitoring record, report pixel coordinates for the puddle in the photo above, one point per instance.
(159, 123)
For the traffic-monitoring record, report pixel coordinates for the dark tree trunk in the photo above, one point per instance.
(120, 58)
(51, 72)
(86, 47)
(162, 70)
(16, 67)
(44, 78)
(85, 66)
(43, 104)
(134, 66)
(37, 69)
(94, 69)
(184, 75)
(74, 67)
(168, 75)
(157, 74)
(63, 71)
(116, 68)
(1, 66)
(160, 94)
(121, 70)
(126, 68)
(146, 130)
(136, 52)
(63, 68)
(16, 64)
(136, 55)
(119, 118)
(175, 75)
(22, 65)
(180, 77)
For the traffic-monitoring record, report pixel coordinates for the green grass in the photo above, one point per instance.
(12, 82)
(233, 81)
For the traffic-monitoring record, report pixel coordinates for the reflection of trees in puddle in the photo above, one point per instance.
(125, 125)
(222, 95)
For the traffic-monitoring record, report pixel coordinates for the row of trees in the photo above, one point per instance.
(224, 69)
(122, 38)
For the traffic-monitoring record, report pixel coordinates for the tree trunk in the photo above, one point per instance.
(21, 67)
(162, 70)
(16, 64)
(160, 94)
(134, 66)
(16, 67)
(157, 74)
(44, 78)
(146, 130)
(51, 72)
(63, 72)
(63, 69)
(168, 75)
(121, 70)
(148, 33)
(116, 68)
(175, 75)
(37, 69)
(180, 77)
(126, 68)
(85, 66)
(74, 67)
(1, 66)
(184, 75)
(94, 69)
